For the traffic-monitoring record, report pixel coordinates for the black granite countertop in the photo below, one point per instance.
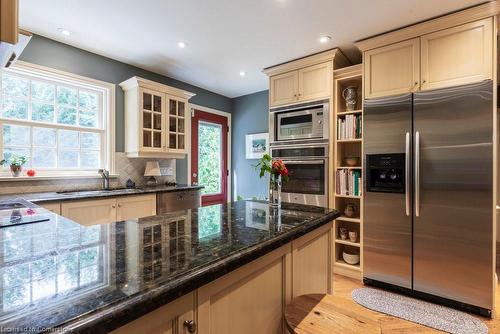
(92, 279)
(91, 194)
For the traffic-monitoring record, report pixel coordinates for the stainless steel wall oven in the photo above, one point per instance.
(307, 165)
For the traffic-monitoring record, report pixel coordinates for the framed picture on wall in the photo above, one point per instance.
(256, 145)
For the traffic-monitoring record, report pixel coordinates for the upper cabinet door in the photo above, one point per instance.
(457, 55)
(284, 88)
(392, 69)
(315, 81)
(177, 111)
(152, 133)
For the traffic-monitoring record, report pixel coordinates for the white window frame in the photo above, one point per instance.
(106, 123)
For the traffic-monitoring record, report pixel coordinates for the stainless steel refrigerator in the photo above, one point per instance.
(428, 195)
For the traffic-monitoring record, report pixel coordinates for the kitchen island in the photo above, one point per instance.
(219, 269)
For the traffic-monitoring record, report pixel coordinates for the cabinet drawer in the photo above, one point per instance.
(178, 200)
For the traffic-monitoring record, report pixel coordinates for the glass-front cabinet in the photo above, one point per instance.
(153, 119)
(157, 120)
(176, 124)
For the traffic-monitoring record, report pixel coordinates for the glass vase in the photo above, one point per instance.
(275, 191)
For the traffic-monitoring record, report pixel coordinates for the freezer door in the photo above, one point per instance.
(387, 213)
(453, 225)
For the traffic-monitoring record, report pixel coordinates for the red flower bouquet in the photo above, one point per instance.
(273, 167)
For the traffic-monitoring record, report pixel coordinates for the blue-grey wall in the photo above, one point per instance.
(46, 52)
(250, 115)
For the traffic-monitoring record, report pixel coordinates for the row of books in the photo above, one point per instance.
(348, 182)
(349, 127)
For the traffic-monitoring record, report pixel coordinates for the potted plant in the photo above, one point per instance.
(16, 164)
(277, 171)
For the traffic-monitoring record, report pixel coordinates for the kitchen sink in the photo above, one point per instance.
(97, 191)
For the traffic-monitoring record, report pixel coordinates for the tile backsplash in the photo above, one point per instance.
(127, 168)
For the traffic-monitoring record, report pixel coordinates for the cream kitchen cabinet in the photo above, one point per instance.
(315, 82)
(458, 55)
(156, 119)
(247, 301)
(305, 84)
(90, 212)
(55, 207)
(284, 88)
(176, 317)
(133, 207)
(311, 273)
(392, 69)
(109, 210)
(9, 21)
(454, 56)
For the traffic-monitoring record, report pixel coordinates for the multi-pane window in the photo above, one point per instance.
(56, 124)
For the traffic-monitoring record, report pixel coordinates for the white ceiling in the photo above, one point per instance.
(224, 37)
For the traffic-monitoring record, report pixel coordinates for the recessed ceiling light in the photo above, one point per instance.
(324, 39)
(65, 32)
(242, 73)
(181, 44)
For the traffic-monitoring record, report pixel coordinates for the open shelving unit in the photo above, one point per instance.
(342, 148)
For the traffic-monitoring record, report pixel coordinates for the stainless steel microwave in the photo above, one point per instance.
(302, 121)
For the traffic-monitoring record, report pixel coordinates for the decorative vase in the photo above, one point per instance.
(350, 210)
(350, 95)
(343, 233)
(275, 190)
(16, 170)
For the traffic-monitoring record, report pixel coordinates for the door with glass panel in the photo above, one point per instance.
(153, 107)
(176, 124)
(209, 156)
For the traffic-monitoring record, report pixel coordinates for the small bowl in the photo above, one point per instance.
(350, 258)
(351, 161)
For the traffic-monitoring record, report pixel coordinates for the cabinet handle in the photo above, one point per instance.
(113, 206)
(119, 205)
(190, 325)
(424, 81)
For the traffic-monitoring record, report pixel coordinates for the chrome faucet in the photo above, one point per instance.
(105, 178)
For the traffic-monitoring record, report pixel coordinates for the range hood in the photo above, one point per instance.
(9, 53)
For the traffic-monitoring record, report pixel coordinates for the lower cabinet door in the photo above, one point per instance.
(55, 207)
(249, 300)
(133, 207)
(174, 318)
(90, 212)
(312, 262)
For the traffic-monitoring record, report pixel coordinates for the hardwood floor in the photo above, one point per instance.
(342, 287)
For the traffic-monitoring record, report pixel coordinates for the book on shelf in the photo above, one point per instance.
(348, 182)
(349, 127)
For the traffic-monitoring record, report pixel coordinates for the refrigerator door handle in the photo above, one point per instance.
(417, 174)
(407, 174)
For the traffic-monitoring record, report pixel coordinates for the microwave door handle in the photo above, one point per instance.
(304, 162)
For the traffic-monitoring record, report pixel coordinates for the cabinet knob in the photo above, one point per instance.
(113, 206)
(190, 325)
(119, 205)
(424, 81)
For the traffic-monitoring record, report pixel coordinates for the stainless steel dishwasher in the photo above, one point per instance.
(178, 200)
